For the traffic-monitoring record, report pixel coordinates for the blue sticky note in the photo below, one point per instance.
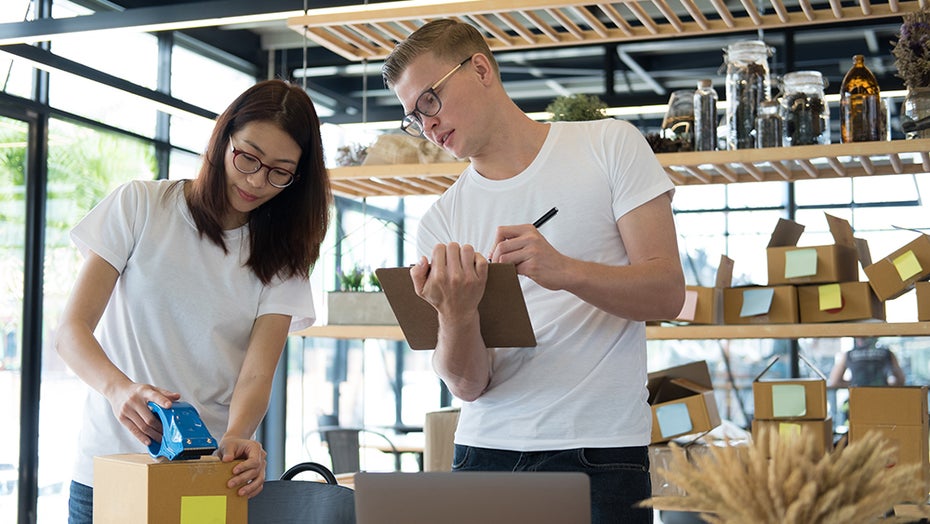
(673, 419)
(800, 263)
(756, 301)
(788, 400)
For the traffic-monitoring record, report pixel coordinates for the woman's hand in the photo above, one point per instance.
(130, 406)
(249, 475)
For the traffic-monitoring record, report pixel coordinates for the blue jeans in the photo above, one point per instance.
(619, 476)
(81, 504)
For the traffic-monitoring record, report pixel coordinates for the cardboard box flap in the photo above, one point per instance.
(696, 372)
(786, 233)
(862, 250)
(803, 359)
(724, 272)
(841, 230)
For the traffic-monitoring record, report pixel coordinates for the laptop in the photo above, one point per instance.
(472, 497)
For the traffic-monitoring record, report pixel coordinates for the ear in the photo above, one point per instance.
(482, 66)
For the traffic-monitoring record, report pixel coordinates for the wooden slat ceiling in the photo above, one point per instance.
(370, 31)
(786, 164)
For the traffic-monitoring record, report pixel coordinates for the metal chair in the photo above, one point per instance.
(288, 501)
(344, 447)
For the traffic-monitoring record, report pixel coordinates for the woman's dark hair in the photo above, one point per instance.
(285, 232)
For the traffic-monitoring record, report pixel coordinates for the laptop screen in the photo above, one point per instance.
(467, 497)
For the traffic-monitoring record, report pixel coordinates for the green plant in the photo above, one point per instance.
(353, 279)
(577, 107)
(912, 49)
(373, 281)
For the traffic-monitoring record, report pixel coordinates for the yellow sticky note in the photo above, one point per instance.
(207, 509)
(830, 297)
(907, 265)
(800, 263)
(789, 430)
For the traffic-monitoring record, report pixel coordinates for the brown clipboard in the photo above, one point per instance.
(505, 321)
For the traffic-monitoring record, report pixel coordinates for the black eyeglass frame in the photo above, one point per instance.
(238, 152)
(412, 121)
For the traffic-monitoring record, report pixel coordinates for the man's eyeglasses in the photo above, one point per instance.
(248, 164)
(428, 104)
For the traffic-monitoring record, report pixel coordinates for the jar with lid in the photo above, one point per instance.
(769, 125)
(862, 118)
(678, 123)
(705, 116)
(747, 86)
(804, 109)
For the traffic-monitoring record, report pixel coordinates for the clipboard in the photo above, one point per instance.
(505, 321)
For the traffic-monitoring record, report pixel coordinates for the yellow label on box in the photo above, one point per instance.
(203, 510)
(800, 263)
(789, 430)
(907, 265)
(830, 297)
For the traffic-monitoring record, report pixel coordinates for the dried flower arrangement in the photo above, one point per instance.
(912, 49)
(740, 484)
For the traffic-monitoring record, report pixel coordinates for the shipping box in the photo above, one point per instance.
(790, 398)
(922, 290)
(895, 274)
(138, 489)
(790, 264)
(704, 305)
(760, 305)
(820, 431)
(839, 302)
(899, 413)
(682, 400)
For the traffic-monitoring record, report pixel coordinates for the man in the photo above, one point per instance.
(591, 275)
(868, 365)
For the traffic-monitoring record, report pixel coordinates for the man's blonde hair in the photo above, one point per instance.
(449, 40)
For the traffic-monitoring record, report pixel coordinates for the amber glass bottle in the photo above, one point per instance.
(861, 115)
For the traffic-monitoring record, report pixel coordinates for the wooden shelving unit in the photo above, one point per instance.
(783, 164)
(684, 332)
(370, 31)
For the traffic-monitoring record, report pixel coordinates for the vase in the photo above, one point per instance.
(915, 113)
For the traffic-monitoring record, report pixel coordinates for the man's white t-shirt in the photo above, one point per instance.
(181, 313)
(584, 384)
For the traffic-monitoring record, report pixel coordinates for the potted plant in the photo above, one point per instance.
(912, 59)
(359, 301)
(576, 108)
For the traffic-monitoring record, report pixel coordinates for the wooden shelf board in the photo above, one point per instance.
(684, 332)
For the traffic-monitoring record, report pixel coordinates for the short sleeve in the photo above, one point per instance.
(110, 228)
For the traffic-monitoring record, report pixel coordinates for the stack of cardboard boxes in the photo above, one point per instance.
(790, 407)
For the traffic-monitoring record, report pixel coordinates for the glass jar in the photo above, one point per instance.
(678, 123)
(804, 110)
(769, 125)
(705, 116)
(747, 86)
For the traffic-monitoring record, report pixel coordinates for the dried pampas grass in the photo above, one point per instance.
(798, 485)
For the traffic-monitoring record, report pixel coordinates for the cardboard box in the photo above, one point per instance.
(704, 305)
(682, 400)
(923, 301)
(900, 415)
(839, 302)
(790, 398)
(821, 431)
(139, 489)
(790, 264)
(760, 305)
(896, 274)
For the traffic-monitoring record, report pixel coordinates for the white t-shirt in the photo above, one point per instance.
(584, 384)
(181, 313)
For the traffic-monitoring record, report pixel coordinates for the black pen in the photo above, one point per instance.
(545, 218)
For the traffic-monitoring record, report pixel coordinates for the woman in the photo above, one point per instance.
(195, 286)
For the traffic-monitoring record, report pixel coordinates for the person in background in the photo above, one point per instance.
(605, 263)
(868, 364)
(189, 288)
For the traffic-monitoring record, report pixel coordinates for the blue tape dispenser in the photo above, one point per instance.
(184, 435)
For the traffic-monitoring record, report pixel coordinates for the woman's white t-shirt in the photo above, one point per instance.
(181, 313)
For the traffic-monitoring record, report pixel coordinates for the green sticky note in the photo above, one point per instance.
(830, 297)
(800, 263)
(907, 265)
(673, 419)
(788, 400)
(203, 510)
